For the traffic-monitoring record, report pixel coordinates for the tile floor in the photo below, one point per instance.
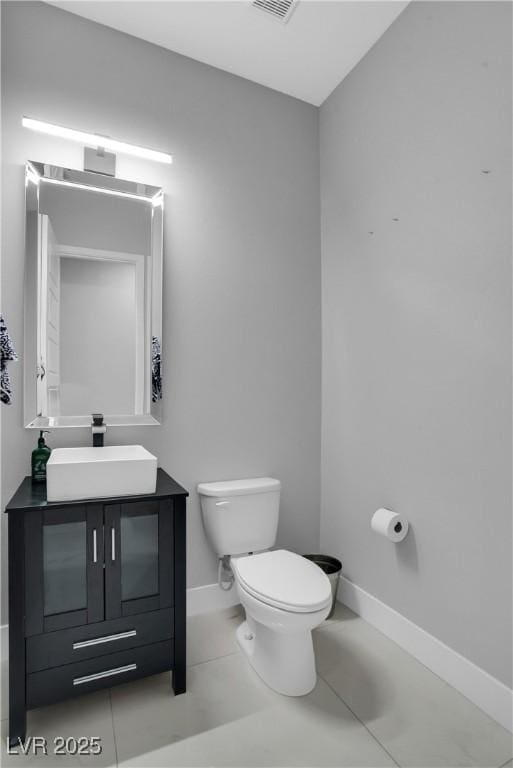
(374, 705)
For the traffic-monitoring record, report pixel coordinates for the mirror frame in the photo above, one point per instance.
(35, 174)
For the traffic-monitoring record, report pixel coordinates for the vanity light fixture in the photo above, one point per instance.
(96, 140)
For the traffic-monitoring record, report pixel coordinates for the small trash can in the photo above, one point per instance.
(331, 567)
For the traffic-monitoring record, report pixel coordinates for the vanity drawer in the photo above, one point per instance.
(92, 640)
(59, 683)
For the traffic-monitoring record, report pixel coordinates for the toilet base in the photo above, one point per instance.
(284, 661)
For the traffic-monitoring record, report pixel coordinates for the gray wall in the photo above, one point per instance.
(417, 322)
(241, 335)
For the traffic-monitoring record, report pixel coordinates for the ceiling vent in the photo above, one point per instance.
(280, 9)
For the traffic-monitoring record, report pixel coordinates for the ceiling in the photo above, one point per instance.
(306, 57)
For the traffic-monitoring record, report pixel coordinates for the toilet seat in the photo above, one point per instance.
(283, 580)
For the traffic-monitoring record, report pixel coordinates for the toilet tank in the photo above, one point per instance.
(240, 516)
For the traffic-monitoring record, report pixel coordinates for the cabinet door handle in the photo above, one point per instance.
(113, 544)
(95, 547)
(106, 673)
(104, 639)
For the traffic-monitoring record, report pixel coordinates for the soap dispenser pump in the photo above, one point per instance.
(40, 456)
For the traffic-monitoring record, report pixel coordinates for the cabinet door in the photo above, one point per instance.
(64, 568)
(138, 557)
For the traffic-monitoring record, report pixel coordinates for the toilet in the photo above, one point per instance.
(284, 595)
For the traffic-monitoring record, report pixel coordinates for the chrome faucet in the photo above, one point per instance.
(98, 429)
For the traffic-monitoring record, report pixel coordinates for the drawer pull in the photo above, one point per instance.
(95, 547)
(104, 639)
(113, 543)
(106, 673)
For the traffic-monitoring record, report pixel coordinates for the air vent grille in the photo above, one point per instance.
(280, 9)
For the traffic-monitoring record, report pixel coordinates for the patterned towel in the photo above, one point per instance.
(156, 370)
(7, 352)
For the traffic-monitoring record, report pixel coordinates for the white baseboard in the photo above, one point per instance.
(483, 690)
(210, 598)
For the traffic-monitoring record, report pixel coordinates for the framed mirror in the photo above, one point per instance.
(93, 299)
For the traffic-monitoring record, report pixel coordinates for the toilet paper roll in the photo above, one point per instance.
(390, 524)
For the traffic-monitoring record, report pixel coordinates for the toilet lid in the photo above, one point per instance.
(283, 579)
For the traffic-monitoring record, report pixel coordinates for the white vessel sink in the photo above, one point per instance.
(88, 473)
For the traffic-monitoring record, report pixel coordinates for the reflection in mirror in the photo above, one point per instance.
(105, 372)
(93, 298)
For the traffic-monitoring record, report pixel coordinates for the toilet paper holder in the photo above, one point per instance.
(392, 525)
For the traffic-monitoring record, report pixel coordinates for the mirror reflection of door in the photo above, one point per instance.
(49, 363)
(102, 333)
(53, 372)
(92, 289)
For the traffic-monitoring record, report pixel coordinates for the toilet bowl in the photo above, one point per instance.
(284, 599)
(284, 595)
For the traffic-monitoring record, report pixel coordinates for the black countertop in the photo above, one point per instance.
(33, 495)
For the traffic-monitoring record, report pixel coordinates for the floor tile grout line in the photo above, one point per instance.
(334, 626)
(362, 722)
(113, 728)
(215, 658)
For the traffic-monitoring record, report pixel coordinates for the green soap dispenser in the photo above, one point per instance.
(40, 456)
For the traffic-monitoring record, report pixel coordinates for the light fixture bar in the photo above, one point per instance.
(89, 188)
(96, 140)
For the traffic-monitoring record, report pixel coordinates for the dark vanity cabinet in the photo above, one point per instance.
(96, 594)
